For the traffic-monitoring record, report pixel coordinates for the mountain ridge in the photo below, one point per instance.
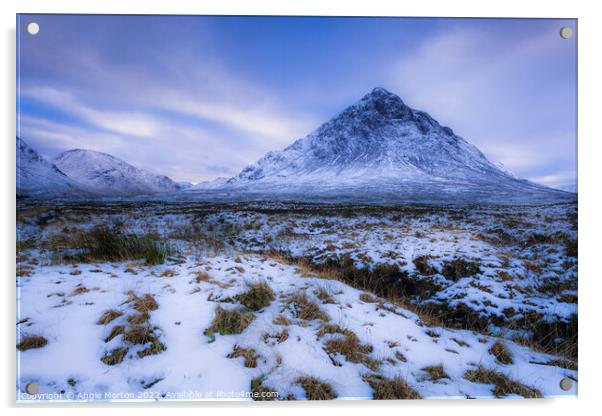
(81, 173)
(105, 174)
(377, 150)
(37, 177)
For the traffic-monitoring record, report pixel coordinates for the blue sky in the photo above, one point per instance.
(199, 97)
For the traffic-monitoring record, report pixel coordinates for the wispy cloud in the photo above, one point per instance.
(501, 91)
(53, 137)
(257, 119)
(562, 180)
(181, 152)
(241, 121)
(131, 123)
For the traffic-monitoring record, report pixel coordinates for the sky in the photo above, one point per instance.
(198, 97)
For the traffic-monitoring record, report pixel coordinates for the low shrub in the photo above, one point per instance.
(156, 347)
(423, 265)
(116, 331)
(261, 392)
(139, 334)
(435, 372)
(316, 389)
(350, 347)
(390, 389)
(229, 322)
(249, 355)
(115, 356)
(257, 296)
(144, 304)
(108, 316)
(501, 353)
(458, 268)
(503, 384)
(305, 309)
(29, 342)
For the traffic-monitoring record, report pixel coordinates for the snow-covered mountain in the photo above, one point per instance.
(380, 149)
(213, 184)
(39, 178)
(103, 174)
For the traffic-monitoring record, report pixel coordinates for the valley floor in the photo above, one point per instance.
(295, 302)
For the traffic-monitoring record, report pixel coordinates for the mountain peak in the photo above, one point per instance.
(383, 102)
(380, 91)
(381, 146)
(379, 137)
(381, 94)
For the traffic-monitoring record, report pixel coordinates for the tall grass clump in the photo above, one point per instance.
(390, 389)
(229, 322)
(105, 244)
(501, 353)
(258, 296)
(316, 389)
(503, 385)
(29, 342)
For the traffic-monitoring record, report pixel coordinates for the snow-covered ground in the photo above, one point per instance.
(505, 267)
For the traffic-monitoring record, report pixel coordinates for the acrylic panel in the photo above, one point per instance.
(295, 208)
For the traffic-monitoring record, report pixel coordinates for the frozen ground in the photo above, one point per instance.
(356, 302)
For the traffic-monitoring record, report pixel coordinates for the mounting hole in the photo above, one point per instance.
(566, 384)
(31, 388)
(566, 32)
(33, 28)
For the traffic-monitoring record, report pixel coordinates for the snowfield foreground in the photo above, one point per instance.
(265, 302)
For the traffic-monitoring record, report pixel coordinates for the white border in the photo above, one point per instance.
(590, 163)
